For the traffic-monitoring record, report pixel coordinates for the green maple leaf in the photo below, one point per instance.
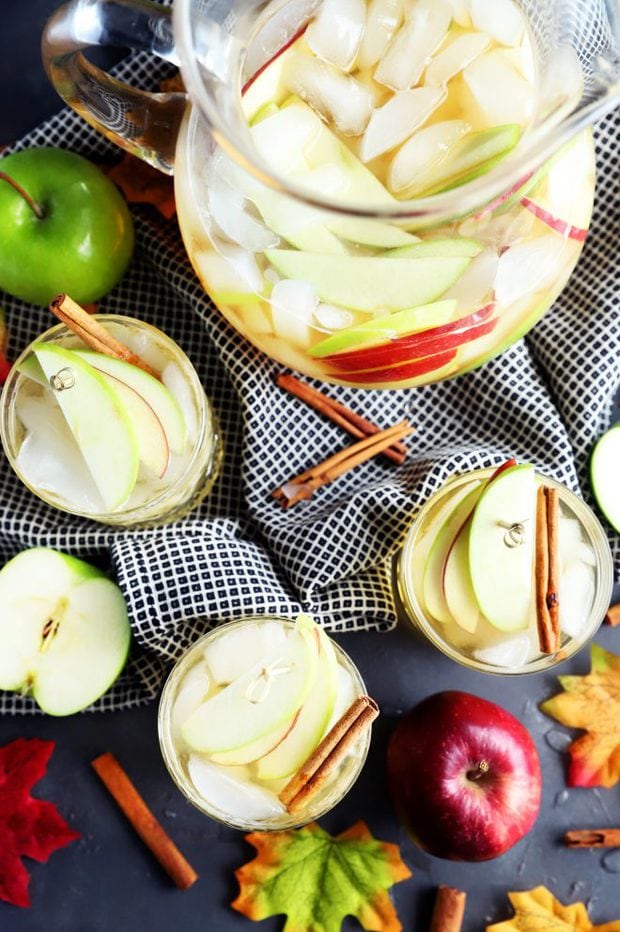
(316, 880)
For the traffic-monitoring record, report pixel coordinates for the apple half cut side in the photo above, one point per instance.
(65, 640)
(97, 419)
(262, 699)
(426, 343)
(604, 476)
(312, 720)
(502, 576)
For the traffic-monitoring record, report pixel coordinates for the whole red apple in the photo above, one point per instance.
(465, 777)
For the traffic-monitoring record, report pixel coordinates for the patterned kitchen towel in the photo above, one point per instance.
(545, 400)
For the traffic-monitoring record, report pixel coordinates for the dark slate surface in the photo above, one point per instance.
(108, 881)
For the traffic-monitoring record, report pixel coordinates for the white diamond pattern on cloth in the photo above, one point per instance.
(545, 400)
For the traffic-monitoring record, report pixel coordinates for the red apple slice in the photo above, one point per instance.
(560, 226)
(410, 370)
(248, 84)
(429, 343)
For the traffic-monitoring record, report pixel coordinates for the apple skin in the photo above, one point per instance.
(433, 754)
(84, 241)
(408, 370)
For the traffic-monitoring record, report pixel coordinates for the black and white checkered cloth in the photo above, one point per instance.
(545, 400)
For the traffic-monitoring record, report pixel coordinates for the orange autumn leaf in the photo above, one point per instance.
(539, 911)
(143, 184)
(592, 702)
(316, 880)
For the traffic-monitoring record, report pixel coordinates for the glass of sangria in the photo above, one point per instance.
(122, 442)
(244, 712)
(378, 193)
(469, 573)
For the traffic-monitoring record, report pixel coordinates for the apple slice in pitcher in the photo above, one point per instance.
(98, 420)
(502, 575)
(64, 630)
(261, 700)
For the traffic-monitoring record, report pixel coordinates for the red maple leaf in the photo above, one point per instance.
(29, 827)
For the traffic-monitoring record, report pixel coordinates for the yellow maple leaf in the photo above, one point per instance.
(592, 702)
(538, 911)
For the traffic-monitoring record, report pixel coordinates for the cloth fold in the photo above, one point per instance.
(545, 400)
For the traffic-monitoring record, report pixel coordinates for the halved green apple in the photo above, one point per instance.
(368, 283)
(64, 630)
(97, 419)
(312, 721)
(382, 329)
(159, 398)
(259, 701)
(502, 575)
(604, 475)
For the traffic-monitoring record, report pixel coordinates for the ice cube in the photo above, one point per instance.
(529, 267)
(500, 18)
(396, 120)
(243, 268)
(292, 310)
(502, 94)
(460, 12)
(423, 151)
(337, 96)
(273, 635)
(561, 84)
(569, 539)
(511, 653)
(576, 597)
(382, 20)
(50, 459)
(336, 31)
(347, 692)
(333, 318)
(232, 796)
(142, 342)
(233, 653)
(228, 209)
(503, 229)
(192, 693)
(456, 56)
(475, 286)
(177, 384)
(414, 44)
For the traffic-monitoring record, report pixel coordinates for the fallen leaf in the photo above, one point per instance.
(592, 702)
(143, 184)
(316, 880)
(539, 911)
(29, 827)
(613, 615)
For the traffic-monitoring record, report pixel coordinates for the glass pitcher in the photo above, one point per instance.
(284, 207)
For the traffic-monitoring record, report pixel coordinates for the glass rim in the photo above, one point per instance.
(124, 516)
(171, 757)
(536, 146)
(604, 581)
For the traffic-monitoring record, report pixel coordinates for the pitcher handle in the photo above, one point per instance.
(145, 124)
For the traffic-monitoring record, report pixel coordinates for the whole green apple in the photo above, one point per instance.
(64, 227)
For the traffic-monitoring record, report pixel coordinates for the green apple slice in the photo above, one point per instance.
(442, 248)
(312, 721)
(373, 233)
(433, 593)
(257, 702)
(502, 576)
(381, 329)
(159, 398)
(65, 640)
(99, 422)
(368, 283)
(457, 584)
(473, 155)
(255, 749)
(153, 446)
(604, 476)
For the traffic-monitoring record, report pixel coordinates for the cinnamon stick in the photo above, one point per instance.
(613, 615)
(546, 570)
(338, 413)
(91, 332)
(334, 747)
(593, 838)
(143, 821)
(449, 910)
(303, 486)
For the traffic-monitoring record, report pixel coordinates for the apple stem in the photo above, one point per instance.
(479, 772)
(36, 208)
